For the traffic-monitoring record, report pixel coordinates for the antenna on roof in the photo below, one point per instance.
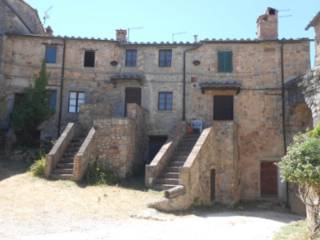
(132, 28)
(177, 33)
(46, 15)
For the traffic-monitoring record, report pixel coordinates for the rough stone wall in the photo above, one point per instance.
(257, 108)
(19, 17)
(317, 30)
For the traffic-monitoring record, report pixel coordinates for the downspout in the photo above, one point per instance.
(61, 86)
(284, 129)
(185, 79)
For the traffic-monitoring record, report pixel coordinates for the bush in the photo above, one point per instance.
(98, 176)
(37, 168)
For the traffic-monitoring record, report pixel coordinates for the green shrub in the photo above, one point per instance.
(98, 176)
(301, 165)
(37, 168)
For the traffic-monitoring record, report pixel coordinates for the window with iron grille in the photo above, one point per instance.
(223, 108)
(165, 101)
(75, 101)
(51, 54)
(225, 64)
(131, 58)
(165, 57)
(89, 58)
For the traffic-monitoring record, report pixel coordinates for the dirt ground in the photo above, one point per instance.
(33, 208)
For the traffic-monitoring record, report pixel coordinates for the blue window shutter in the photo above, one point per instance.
(51, 54)
(225, 62)
(53, 99)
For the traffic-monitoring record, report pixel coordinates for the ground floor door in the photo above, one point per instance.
(155, 144)
(213, 185)
(132, 95)
(269, 179)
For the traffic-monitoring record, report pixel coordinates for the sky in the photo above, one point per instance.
(158, 20)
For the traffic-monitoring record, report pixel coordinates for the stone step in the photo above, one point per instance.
(170, 175)
(176, 164)
(179, 158)
(63, 171)
(65, 165)
(163, 187)
(173, 169)
(67, 159)
(170, 181)
(61, 176)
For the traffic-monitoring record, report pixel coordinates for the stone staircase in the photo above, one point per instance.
(170, 176)
(64, 169)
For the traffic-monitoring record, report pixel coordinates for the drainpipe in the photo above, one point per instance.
(284, 129)
(185, 79)
(61, 86)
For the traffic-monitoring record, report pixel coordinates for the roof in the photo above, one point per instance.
(221, 85)
(314, 21)
(227, 41)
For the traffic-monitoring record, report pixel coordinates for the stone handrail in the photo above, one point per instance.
(154, 169)
(55, 155)
(86, 154)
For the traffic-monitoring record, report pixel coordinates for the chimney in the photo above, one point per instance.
(121, 35)
(49, 31)
(267, 25)
(315, 23)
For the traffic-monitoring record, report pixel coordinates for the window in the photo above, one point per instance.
(223, 108)
(89, 58)
(165, 101)
(75, 100)
(165, 57)
(52, 97)
(225, 62)
(131, 58)
(51, 54)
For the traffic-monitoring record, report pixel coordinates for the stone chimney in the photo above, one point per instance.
(49, 31)
(315, 23)
(121, 35)
(267, 25)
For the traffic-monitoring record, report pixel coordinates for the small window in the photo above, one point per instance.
(75, 101)
(131, 58)
(52, 97)
(165, 57)
(165, 101)
(225, 62)
(89, 58)
(51, 54)
(223, 108)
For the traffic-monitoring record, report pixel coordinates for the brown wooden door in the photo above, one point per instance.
(269, 179)
(213, 184)
(133, 95)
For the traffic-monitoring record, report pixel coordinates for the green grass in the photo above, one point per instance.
(294, 231)
(37, 168)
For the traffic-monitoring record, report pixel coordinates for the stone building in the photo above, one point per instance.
(149, 98)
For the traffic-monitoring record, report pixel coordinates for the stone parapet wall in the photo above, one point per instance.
(55, 155)
(155, 168)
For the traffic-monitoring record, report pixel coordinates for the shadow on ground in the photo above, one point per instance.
(9, 168)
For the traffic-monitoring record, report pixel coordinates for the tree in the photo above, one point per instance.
(301, 166)
(32, 110)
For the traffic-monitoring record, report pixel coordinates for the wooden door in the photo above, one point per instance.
(213, 184)
(268, 179)
(133, 95)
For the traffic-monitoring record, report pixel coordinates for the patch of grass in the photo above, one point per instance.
(37, 168)
(97, 176)
(294, 231)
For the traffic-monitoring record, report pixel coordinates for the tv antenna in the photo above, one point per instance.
(46, 15)
(177, 33)
(130, 29)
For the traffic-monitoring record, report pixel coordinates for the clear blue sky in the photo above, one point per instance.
(161, 18)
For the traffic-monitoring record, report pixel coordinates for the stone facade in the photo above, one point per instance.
(258, 103)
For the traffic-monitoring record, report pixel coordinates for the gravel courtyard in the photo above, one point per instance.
(32, 208)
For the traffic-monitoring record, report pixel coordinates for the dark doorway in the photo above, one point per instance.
(269, 179)
(223, 108)
(155, 144)
(133, 95)
(213, 185)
